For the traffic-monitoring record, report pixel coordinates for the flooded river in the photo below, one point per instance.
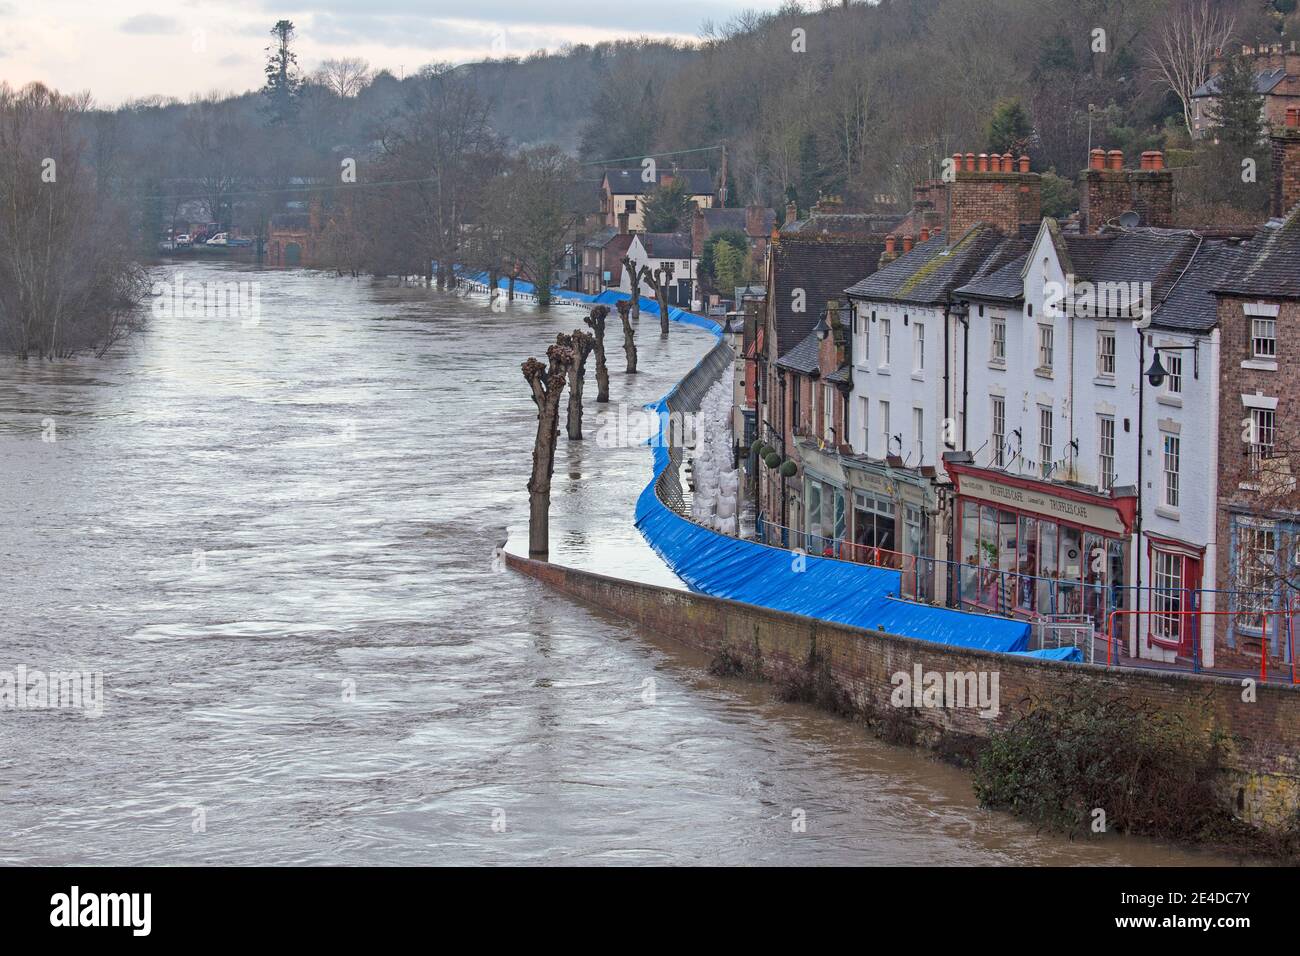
(275, 542)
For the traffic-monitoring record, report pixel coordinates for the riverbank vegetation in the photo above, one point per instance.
(1081, 763)
(67, 282)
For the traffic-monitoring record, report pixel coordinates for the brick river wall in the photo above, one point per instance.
(1262, 782)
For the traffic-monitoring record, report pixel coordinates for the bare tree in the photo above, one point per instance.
(580, 343)
(547, 382)
(597, 322)
(345, 76)
(1180, 55)
(68, 281)
(634, 278)
(658, 282)
(625, 306)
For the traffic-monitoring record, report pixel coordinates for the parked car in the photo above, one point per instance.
(220, 239)
(242, 243)
(183, 240)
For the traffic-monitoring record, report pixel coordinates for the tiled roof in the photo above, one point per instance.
(598, 239)
(841, 375)
(1265, 82)
(1157, 256)
(1269, 265)
(844, 224)
(1190, 305)
(822, 267)
(628, 182)
(803, 357)
(666, 245)
(932, 270)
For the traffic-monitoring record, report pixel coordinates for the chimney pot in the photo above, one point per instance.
(984, 163)
(907, 243)
(925, 234)
(1024, 164)
(1115, 159)
(956, 162)
(970, 162)
(1097, 159)
(1157, 159)
(890, 244)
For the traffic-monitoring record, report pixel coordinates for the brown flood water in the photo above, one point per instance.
(275, 542)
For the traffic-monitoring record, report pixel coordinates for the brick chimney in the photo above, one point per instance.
(1109, 190)
(1286, 164)
(998, 190)
(791, 213)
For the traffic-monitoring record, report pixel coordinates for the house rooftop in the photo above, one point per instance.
(1269, 265)
(629, 182)
(821, 267)
(666, 245)
(930, 272)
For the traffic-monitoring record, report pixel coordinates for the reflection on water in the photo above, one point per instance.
(275, 540)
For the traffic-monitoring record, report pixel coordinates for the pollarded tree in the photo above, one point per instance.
(597, 322)
(547, 384)
(629, 334)
(580, 343)
(658, 281)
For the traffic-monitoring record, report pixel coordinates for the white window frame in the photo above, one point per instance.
(1045, 439)
(918, 347)
(886, 341)
(998, 341)
(828, 413)
(1046, 346)
(884, 425)
(864, 407)
(1171, 453)
(1173, 373)
(918, 426)
(1106, 452)
(1256, 562)
(1263, 338)
(1263, 435)
(1167, 568)
(1106, 353)
(998, 415)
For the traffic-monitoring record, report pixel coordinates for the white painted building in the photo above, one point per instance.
(655, 249)
(1100, 501)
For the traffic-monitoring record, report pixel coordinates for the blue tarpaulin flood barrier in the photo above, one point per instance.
(825, 588)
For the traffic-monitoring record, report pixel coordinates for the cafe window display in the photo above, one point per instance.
(1028, 564)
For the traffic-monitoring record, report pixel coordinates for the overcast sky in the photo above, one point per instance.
(124, 49)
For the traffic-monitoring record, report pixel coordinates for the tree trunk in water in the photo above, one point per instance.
(580, 343)
(547, 383)
(597, 323)
(629, 345)
(633, 277)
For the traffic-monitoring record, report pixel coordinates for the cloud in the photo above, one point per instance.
(150, 24)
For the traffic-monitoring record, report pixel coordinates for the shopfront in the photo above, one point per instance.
(1038, 549)
(891, 520)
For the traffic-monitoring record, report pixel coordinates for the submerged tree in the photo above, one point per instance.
(658, 281)
(547, 383)
(629, 344)
(597, 322)
(633, 277)
(580, 343)
(68, 280)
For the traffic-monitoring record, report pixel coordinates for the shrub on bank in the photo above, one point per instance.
(1076, 754)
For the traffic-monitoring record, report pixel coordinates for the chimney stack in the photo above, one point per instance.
(1109, 190)
(993, 189)
(1285, 141)
(791, 213)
